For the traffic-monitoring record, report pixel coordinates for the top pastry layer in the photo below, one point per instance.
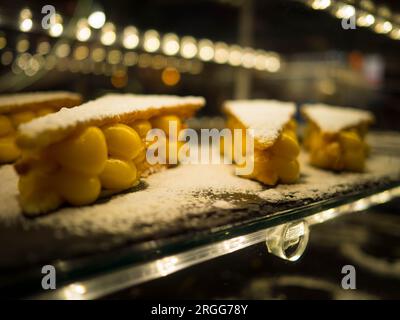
(108, 109)
(266, 117)
(333, 119)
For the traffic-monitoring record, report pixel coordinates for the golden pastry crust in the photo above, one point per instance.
(51, 129)
(17, 109)
(335, 137)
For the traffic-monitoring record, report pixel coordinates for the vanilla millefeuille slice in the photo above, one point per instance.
(275, 142)
(19, 108)
(334, 136)
(99, 148)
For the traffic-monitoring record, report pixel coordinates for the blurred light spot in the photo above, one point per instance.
(97, 19)
(83, 31)
(395, 34)
(144, 60)
(248, 58)
(365, 20)
(383, 27)
(151, 41)
(320, 4)
(81, 52)
(273, 63)
(40, 59)
(170, 45)
(384, 11)
(235, 55)
(119, 79)
(98, 54)
(206, 50)
(57, 28)
(131, 37)
(159, 62)
(32, 67)
(108, 35)
(221, 52)
(7, 58)
(114, 57)
(43, 48)
(22, 60)
(25, 20)
(188, 47)
(26, 25)
(63, 50)
(130, 58)
(260, 60)
(22, 45)
(327, 87)
(367, 5)
(170, 76)
(3, 41)
(345, 11)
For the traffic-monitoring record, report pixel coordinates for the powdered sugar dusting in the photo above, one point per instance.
(333, 118)
(265, 117)
(109, 106)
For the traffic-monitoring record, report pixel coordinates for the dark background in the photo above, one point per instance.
(322, 61)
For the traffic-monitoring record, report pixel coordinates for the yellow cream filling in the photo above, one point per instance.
(9, 123)
(344, 150)
(77, 169)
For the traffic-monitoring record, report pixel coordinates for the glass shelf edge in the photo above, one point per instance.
(101, 285)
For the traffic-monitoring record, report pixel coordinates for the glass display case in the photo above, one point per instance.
(177, 227)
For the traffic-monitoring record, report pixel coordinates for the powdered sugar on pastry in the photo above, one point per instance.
(265, 117)
(333, 118)
(111, 107)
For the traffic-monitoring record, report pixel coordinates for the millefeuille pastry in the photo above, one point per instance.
(275, 142)
(76, 155)
(23, 107)
(334, 136)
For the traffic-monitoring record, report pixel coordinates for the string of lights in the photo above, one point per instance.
(96, 28)
(367, 14)
(78, 57)
(113, 49)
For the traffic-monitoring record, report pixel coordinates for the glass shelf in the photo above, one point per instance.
(285, 233)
